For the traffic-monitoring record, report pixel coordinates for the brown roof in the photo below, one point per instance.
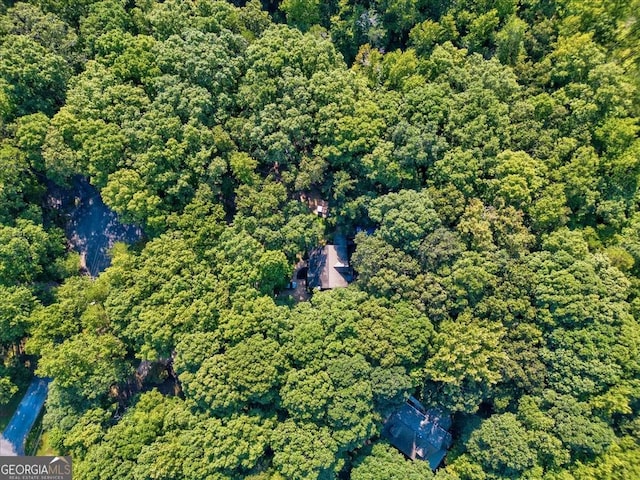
(329, 267)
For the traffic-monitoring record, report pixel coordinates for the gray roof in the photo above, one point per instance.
(418, 433)
(329, 267)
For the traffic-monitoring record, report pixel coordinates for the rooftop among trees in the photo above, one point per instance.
(488, 150)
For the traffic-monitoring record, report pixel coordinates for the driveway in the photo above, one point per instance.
(92, 227)
(13, 438)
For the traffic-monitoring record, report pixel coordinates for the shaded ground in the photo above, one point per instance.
(91, 227)
(14, 436)
(299, 278)
(316, 203)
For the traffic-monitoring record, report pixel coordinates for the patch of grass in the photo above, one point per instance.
(45, 448)
(33, 439)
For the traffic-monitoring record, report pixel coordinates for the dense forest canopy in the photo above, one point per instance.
(487, 151)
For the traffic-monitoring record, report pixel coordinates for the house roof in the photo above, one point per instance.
(418, 433)
(329, 267)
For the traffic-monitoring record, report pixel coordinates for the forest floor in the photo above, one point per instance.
(300, 292)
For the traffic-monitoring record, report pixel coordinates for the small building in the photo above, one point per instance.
(418, 433)
(315, 202)
(329, 267)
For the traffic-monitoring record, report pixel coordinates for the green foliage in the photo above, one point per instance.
(274, 271)
(26, 251)
(15, 309)
(564, 428)
(490, 150)
(7, 390)
(67, 363)
(195, 453)
(466, 361)
(45, 28)
(102, 17)
(115, 452)
(301, 13)
(247, 373)
(405, 218)
(510, 41)
(385, 462)
(37, 75)
(302, 451)
(620, 461)
(19, 191)
(501, 445)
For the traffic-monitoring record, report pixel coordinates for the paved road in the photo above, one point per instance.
(15, 435)
(92, 227)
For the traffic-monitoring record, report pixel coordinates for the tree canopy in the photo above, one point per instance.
(482, 160)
